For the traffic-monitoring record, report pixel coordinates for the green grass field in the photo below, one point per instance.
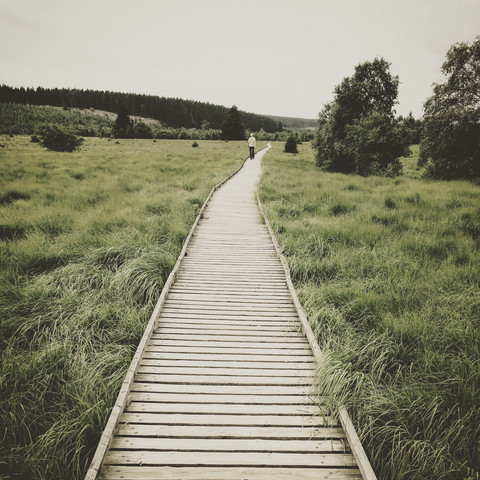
(388, 273)
(87, 240)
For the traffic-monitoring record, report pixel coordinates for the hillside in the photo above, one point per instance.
(172, 112)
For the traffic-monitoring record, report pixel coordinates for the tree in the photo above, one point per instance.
(233, 128)
(122, 124)
(376, 145)
(291, 145)
(412, 128)
(450, 145)
(366, 98)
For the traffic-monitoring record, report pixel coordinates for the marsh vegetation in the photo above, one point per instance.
(87, 240)
(388, 273)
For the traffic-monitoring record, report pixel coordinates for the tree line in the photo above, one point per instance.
(359, 133)
(172, 112)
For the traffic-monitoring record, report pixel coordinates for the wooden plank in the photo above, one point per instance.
(276, 299)
(232, 344)
(274, 308)
(227, 473)
(221, 371)
(229, 445)
(230, 409)
(230, 432)
(195, 364)
(221, 380)
(283, 459)
(229, 350)
(203, 388)
(233, 313)
(193, 397)
(292, 319)
(230, 290)
(218, 419)
(263, 324)
(202, 357)
(234, 337)
(191, 329)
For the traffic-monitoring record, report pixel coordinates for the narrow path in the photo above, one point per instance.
(222, 388)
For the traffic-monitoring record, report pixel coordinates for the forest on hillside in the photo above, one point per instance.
(172, 112)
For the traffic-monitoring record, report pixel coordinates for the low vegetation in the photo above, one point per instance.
(17, 119)
(388, 272)
(87, 240)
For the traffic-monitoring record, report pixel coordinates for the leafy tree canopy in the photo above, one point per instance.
(362, 101)
(450, 145)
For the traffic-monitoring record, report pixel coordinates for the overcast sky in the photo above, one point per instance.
(278, 57)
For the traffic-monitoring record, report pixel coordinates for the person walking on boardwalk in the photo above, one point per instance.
(252, 143)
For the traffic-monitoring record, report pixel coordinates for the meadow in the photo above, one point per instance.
(87, 240)
(388, 273)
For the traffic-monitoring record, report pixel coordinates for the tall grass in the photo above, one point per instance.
(388, 272)
(87, 241)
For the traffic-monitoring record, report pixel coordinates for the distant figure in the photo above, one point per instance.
(252, 143)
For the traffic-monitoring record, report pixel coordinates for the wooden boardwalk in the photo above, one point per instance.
(220, 386)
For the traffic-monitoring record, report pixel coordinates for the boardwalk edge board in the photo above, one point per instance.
(107, 435)
(347, 424)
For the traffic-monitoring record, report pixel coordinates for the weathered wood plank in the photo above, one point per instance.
(195, 364)
(229, 350)
(283, 459)
(219, 398)
(247, 322)
(231, 344)
(218, 419)
(227, 409)
(240, 390)
(238, 316)
(185, 329)
(221, 380)
(151, 353)
(227, 473)
(224, 371)
(232, 337)
(229, 445)
(231, 432)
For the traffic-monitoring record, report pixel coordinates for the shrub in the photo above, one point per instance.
(291, 145)
(59, 139)
(194, 144)
(142, 130)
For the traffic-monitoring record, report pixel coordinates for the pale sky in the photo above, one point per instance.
(277, 57)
